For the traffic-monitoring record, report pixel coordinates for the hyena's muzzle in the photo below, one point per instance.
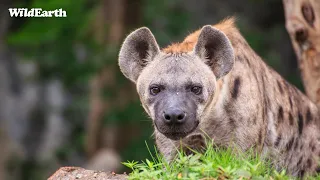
(175, 115)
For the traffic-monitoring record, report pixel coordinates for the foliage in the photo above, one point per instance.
(213, 164)
(53, 42)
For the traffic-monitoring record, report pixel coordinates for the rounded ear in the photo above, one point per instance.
(137, 50)
(215, 49)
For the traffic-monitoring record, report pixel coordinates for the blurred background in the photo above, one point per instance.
(63, 100)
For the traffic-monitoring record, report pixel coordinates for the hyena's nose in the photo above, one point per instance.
(174, 116)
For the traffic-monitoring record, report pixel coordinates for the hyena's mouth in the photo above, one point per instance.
(177, 133)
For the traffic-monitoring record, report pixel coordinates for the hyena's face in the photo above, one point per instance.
(175, 88)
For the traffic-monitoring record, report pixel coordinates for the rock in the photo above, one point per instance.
(78, 173)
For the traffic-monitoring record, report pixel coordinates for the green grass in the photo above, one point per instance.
(210, 165)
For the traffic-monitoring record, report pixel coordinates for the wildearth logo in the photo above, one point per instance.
(36, 12)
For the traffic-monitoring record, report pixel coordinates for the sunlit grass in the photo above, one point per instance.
(214, 163)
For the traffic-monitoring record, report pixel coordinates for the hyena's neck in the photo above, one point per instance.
(267, 112)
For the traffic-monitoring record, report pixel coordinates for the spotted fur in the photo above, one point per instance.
(252, 105)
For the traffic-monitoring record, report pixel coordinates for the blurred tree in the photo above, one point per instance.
(302, 23)
(10, 151)
(113, 19)
(59, 49)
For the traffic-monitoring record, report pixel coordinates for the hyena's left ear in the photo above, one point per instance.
(138, 49)
(215, 49)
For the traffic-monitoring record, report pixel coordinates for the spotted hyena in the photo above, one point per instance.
(214, 83)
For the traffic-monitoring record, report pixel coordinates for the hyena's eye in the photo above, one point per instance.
(154, 90)
(196, 90)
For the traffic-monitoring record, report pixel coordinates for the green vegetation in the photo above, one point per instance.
(213, 164)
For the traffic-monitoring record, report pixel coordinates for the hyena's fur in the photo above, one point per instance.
(253, 106)
(266, 110)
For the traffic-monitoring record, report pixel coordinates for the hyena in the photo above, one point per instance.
(213, 83)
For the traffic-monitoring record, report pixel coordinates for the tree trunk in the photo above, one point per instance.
(303, 25)
(111, 14)
(114, 20)
(9, 150)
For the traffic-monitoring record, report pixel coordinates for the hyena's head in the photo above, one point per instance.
(175, 88)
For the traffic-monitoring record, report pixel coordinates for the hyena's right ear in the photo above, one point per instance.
(138, 49)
